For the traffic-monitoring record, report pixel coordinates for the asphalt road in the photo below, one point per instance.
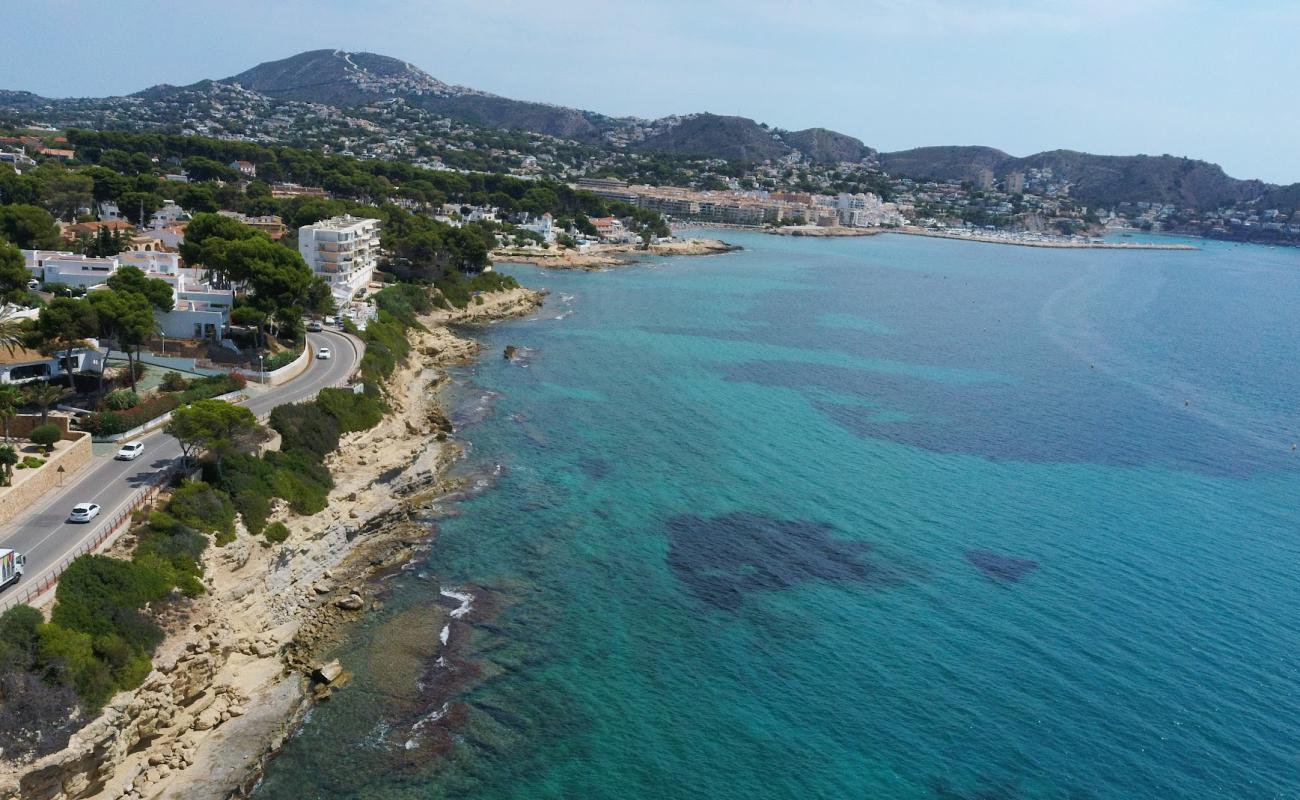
(44, 535)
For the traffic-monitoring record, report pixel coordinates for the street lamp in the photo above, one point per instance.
(261, 372)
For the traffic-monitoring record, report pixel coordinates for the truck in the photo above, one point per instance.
(12, 565)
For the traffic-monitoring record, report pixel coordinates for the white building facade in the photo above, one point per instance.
(344, 251)
(199, 311)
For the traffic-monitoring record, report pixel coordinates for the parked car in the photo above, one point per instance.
(323, 353)
(130, 451)
(314, 326)
(84, 512)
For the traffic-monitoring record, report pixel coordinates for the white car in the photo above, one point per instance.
(323, 353)
(130, 451)
(84, 512)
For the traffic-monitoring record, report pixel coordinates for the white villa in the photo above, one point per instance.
(25, 366)
(200, 311)
(544, 226)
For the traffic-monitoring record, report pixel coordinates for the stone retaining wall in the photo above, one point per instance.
(15, 498)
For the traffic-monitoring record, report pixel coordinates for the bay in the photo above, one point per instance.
(888, 517)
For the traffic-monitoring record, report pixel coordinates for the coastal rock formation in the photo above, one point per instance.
(230, 678)
(178, 697)
(602, 256)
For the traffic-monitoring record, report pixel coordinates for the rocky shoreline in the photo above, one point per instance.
(233, 678)
(604, 256)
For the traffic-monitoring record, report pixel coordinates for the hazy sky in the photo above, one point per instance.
(1212, 80)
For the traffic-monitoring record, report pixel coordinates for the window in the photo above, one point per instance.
(29, 371)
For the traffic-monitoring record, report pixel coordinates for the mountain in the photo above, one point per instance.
(827, 147)
(21, 100)
(943, 163)
(343, 79)
(1096, 180)
(714, 136)
(743, 139)
(341, 92)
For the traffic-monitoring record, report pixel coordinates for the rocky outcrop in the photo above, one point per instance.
(177, 699)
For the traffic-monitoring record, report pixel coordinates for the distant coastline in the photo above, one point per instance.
(985, 237)
(1037, 240)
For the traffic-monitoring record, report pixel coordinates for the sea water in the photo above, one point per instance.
(889, 517)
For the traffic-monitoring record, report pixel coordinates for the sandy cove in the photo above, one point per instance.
(231, 679)
(601, 256)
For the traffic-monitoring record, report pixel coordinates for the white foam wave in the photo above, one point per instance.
(465, 599)
(421, 723)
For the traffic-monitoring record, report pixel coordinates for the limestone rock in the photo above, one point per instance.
(327, 673)
(350, 603)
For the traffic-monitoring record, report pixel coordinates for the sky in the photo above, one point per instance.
(1213, 80)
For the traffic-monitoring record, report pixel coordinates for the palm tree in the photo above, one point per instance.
(11, 329)
(10, 399)
(8, 457)
(44, 395)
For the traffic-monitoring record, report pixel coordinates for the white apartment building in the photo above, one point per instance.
(343, 250)
(863, 211)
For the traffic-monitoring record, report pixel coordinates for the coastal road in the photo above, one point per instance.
(42, 532)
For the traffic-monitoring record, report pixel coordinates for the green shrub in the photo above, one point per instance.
(31, 462)
(386, 345)
(300, 480)
(306, 426)
(203, 508)
(212, 386)
(164, 543)
(20, 635)
(457, 291)
(68, 657)
(46, 435)
(354, 412)
(173, 382)
(404, 301)
(282, 359)
(107, 423)
(276, 532)
(102, 595)
(247, 479)
(121, 400)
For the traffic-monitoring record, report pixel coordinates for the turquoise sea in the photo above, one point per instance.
(889, 517)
